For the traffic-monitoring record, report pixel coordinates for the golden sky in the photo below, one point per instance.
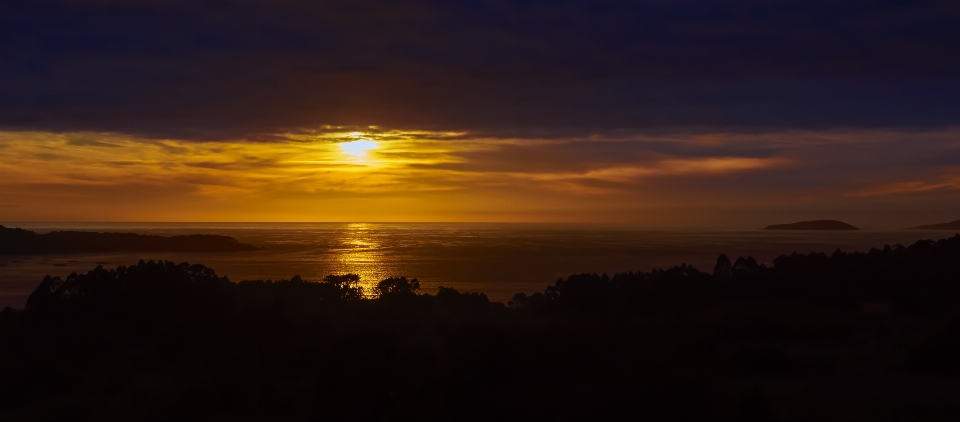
(375, 174)
(658, 114)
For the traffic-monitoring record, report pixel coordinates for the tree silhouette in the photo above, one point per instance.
(347, 284)
(397, 286)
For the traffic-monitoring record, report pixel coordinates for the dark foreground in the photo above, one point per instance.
(870, 336)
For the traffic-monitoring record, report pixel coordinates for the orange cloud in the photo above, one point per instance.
(433, 176)
(906, 187)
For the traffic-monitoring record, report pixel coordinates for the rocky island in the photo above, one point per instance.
(953, 225)
(813, 225)
(14, 241)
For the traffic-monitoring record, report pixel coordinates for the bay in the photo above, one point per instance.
(494, 258)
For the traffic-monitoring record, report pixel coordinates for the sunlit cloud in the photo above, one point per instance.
(669, 167)
(377, 174)
(907, 187)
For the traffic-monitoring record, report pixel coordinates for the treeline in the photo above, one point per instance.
(154, 290)
(16, 241)
(869, 336)
(922, 279)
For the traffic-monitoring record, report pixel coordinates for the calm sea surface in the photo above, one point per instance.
(497, 259)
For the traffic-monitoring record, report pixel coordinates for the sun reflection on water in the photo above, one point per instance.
(360, 251)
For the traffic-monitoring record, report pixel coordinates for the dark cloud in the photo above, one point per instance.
(580, 156)
(81, 141)
(216, 69)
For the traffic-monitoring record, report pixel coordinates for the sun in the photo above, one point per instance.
(358, 148)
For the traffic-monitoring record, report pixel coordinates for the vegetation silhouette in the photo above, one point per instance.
(813, 225)
(15, 241)
(813, 336)
(397, 286)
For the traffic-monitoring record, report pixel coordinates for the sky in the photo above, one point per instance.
(728, 114)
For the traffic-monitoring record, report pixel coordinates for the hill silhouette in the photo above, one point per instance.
(812, 337)
(953, 225)
(20, 241)
(813, 225)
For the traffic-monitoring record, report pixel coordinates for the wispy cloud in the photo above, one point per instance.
(429, 176)
(907, 187)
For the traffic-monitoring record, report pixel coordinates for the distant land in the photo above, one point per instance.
(19, 241)
(953, 225)
(813, 225)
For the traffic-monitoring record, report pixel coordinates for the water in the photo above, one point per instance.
(497, 259)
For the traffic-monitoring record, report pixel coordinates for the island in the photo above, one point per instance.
(17, 241)
(953, 225)
(813, 225)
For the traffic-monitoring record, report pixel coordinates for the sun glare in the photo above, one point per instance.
(358, 148)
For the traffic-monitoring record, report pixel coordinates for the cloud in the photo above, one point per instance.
(243, 69)
(720, 178)
(83, 142)
(907, 187)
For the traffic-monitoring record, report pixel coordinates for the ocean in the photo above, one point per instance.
(497, 259)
